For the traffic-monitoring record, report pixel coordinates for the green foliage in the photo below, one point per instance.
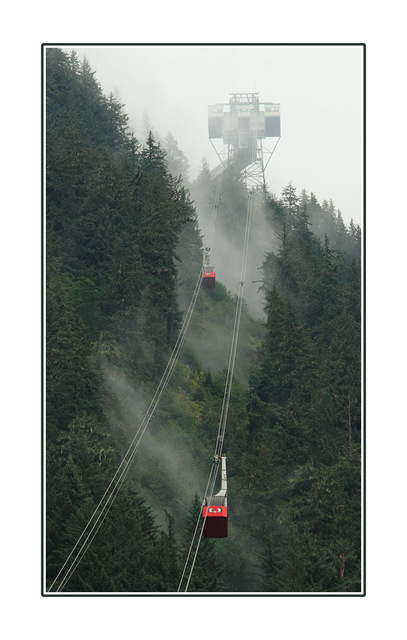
(211, 329)
(305, 423)
(177, 162)
(114, 218)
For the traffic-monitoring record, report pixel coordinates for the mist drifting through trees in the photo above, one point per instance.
(124, 239)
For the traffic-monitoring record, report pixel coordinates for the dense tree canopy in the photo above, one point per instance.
(123, 250)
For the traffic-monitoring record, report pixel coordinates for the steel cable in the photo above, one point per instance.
(226, 398)
(108, 498)
(110, 494)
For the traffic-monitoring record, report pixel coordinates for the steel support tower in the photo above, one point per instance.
(240, 126)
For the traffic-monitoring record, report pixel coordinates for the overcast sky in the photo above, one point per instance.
(319, 88)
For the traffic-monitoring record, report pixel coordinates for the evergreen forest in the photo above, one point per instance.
(124, 246)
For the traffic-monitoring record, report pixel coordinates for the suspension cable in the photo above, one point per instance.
(226, 399)
(228, 382)
(112, 490)
(215, 210)
(98, 516)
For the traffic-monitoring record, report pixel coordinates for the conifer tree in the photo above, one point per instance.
(178, 165)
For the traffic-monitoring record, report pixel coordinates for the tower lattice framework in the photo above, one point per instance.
(239, 128)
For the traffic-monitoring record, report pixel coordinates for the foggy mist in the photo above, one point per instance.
(319, 89)
(165, 469)
(226, 256)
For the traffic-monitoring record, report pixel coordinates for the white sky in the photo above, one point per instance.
(319, 88)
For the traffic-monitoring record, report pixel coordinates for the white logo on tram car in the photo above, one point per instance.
(215, 510)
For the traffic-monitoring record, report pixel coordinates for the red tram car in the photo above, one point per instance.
(208, 278)
(215, 511)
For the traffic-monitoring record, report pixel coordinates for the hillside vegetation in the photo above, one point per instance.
(123, 251)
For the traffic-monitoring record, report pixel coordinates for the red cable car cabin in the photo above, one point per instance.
(216, 523)
(215, 510)
(208, 278)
